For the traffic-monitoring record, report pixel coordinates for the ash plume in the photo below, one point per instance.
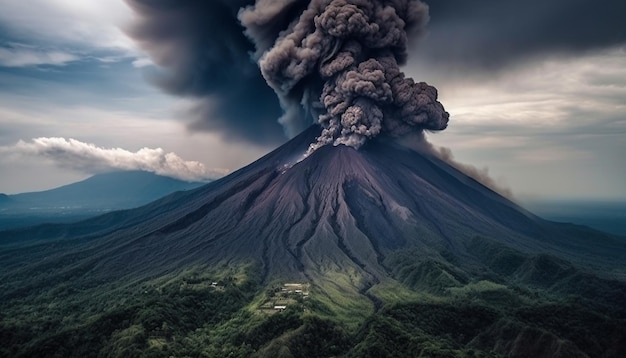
(335, 62)
(418, 143)
(204, 55)
(479, 174)
(340, 59)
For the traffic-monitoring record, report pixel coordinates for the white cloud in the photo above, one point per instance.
(130, 122)
(85, 24)
(142, 62)
(88, 158)
(24, 56)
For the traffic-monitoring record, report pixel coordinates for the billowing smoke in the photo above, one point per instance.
(88, 158)
(204, 56)
(417, 142)
(479, 174)
(335, 62)
(340, 59)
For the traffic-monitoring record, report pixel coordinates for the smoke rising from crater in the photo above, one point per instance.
(340, 59)
(335, 62)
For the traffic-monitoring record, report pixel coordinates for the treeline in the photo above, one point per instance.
(203, 315)
(159, 316)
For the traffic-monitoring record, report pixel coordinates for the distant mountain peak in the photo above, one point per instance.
(94, 195)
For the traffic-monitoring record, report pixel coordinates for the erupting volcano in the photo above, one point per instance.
(355, 225)
(404, 254)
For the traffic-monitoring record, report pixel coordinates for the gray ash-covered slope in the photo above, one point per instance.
(340, 210)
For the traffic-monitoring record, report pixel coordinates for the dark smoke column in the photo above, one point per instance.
(340, 59)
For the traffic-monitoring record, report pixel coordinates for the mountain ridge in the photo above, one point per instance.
(101, 187)
(343, 206)
(90, 197)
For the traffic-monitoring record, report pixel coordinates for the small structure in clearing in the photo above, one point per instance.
(279, 297)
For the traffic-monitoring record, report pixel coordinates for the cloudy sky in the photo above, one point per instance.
(536, 91)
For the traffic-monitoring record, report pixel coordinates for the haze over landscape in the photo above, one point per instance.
(275, 179)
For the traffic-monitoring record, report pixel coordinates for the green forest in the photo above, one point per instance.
(205, 312)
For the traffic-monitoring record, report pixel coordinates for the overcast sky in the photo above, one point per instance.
(536, 92)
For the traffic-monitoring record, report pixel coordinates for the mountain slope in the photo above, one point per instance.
(340, 209)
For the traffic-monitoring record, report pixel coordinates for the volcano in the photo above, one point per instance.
(340, 209)
(348, 222)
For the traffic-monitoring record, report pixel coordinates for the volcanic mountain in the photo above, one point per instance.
(351, 223)
(339, 209)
